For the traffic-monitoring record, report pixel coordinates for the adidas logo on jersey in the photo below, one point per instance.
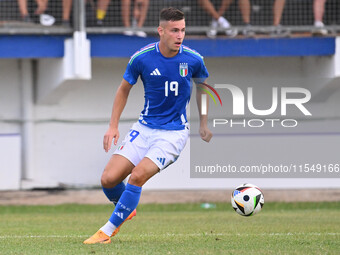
(155, 72)
(162, 160)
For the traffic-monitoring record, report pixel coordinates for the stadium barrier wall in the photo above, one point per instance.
(67, 135)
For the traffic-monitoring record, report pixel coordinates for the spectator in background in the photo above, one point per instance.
(140, 11)
(42, 6)
(45, 19)
(23, 11)
(245, 8)
(319, 9)
(102, 6)
(67, 7)
(278, 7)
(139, 15)
(217, 18)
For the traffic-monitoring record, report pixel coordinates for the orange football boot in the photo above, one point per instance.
(98, 237)
(133, 214)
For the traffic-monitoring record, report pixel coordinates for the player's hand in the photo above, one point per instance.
(111, 133)
(205, 133)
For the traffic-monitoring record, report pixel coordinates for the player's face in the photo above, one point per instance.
(172, 34)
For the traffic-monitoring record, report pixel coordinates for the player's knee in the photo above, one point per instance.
(138, 177)
(104, 180)
(107, 181)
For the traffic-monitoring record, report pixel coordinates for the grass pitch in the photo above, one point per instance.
(281, 228)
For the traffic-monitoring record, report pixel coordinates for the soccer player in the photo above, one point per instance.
(154, 142)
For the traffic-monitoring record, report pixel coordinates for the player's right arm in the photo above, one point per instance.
(117, 109)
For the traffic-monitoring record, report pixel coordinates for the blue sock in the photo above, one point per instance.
(126, 204)
(114, 194)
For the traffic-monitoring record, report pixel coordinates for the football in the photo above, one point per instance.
(247, 199)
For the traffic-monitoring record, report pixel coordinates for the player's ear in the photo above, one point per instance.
(160, 30)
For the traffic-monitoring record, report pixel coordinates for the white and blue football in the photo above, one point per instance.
(247, 199)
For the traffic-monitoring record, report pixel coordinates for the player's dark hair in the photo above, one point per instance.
(171, 14)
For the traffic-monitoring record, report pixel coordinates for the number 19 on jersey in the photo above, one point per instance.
(173, 87)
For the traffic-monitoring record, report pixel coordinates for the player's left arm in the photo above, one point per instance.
(204, 131)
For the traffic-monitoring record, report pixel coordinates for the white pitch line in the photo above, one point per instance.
(41, 236)
(175, 235)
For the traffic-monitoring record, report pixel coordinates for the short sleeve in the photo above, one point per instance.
(201, 73)
(131, 73)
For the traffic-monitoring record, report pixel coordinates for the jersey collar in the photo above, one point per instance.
(180, 49)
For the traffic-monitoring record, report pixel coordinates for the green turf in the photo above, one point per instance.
(281, 228)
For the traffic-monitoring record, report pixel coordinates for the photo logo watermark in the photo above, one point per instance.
(204, 105)
(294, 96)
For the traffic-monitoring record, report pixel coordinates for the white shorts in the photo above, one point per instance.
(161, 146)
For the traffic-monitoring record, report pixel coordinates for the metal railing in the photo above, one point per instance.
(254, 17)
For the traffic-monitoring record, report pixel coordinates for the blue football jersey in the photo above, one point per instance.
(167, 84)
